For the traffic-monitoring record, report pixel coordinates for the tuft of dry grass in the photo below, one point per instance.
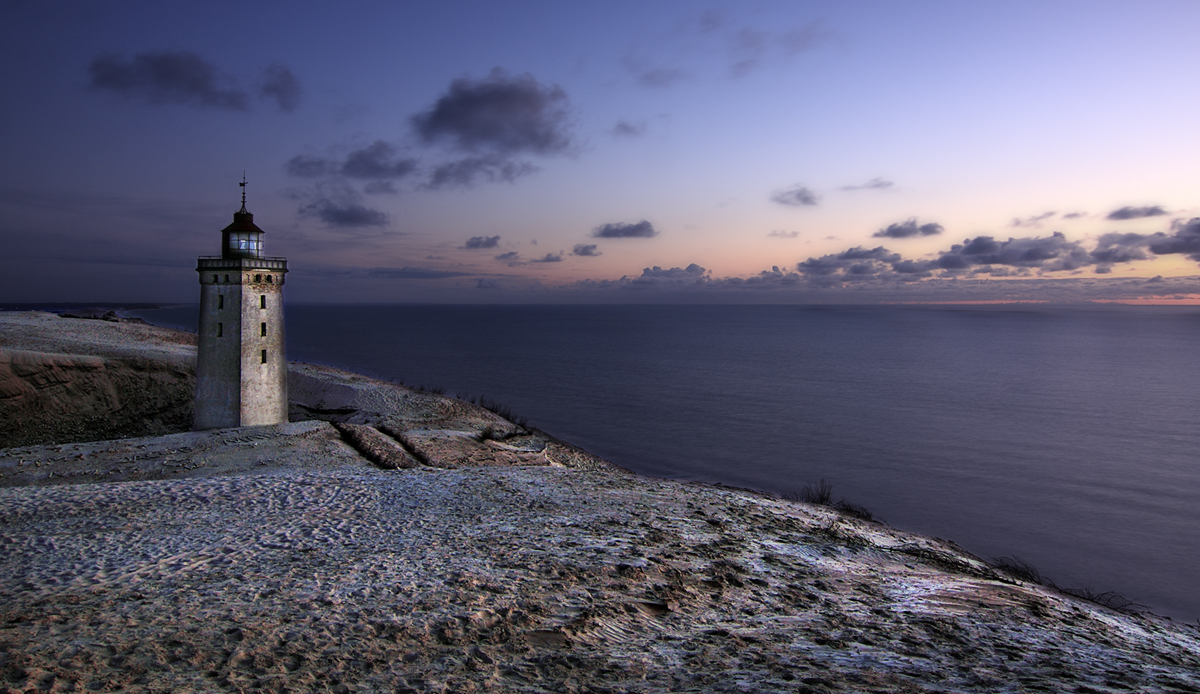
(821, 494)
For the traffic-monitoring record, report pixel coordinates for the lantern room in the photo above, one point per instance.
(242, 239)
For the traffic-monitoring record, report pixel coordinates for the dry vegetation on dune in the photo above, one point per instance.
(400, 541)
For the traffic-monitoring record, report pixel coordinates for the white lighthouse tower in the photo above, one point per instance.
(241, 371)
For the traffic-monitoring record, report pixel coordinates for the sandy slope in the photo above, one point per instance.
(279, 558)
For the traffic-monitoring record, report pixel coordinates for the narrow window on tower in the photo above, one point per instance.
(262, 301)
(220, 328)
(263, 330)
(214, 279)
(220, 301)
(264, 356)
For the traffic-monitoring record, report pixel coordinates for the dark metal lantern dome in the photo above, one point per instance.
(243, 238)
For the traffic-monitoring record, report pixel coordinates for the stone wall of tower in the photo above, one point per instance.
(241, 376)
(218, 354)
(263, 363)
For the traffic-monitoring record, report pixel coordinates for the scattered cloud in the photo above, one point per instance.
(804, 38)
(549, 258)
(783, 285)
(585, 249)
(464, 173)
(168, 77)
(304, 166)
(623, 230)
(1136, 212)
(1034, 221)
(1074, 215)
(1048, 253)
(378, 161)
(344, 214)
(511, 257)
(657, 77)
(482, 242)
(908, 229)
(984, 256)
(280, 83)
(655, 276)
(1118, 248)
(486, 283)
(380, 188)
(501, 113)
(876, 183)
(338, 206)
(708, 36)
(781, 234)
(1185, 240)
(746, 47)
(857, 261)
(796, 196)
(624, 128)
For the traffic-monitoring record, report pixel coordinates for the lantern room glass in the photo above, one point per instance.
(245, 244)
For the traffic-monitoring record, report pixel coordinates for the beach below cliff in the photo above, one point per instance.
(393, 540)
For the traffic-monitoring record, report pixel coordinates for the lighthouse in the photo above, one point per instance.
(241, 371)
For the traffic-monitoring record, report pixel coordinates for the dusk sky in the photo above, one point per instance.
(758, 152)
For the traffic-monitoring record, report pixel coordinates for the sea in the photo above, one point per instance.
(1067, 437)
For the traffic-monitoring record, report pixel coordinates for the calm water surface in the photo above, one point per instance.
(1068, 437)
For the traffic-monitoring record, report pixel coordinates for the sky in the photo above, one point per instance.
(480, 152)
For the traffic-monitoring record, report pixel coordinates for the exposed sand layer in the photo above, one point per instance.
(496, 558)
(64, 379)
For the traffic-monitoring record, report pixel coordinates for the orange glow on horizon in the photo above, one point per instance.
(968, 302)
(1174, 300)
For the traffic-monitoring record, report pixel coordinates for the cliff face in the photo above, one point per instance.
(60, 398)
(68, 379)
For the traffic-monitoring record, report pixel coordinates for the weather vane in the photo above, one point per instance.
(243, 185)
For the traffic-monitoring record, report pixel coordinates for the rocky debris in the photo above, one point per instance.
(392, 425)
(377, 447)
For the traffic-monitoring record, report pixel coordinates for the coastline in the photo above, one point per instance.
(510, 561)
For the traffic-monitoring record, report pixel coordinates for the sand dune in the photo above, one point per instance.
(497, 559)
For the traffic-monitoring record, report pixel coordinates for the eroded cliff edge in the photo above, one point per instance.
(68, 379)
(493, 557)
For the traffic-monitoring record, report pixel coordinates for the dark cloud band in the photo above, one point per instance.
(377, 161)
(1136, 212)
(185, 78)
(167, 77)
(623, 230)
(345, 215)
(482, 242)
(796, 196)
(500, 113)
(908, 229)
